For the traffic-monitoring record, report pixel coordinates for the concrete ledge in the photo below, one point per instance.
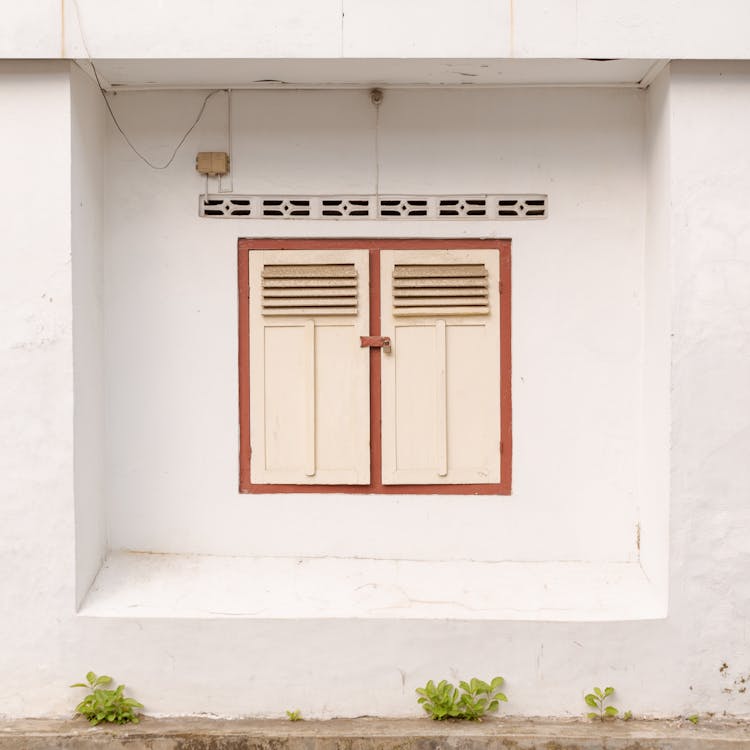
(133, 584)
(375, 734)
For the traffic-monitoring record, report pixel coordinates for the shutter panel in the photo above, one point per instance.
(309, 377)
(441, 382)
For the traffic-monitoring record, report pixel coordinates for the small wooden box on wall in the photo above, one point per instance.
(212, 163)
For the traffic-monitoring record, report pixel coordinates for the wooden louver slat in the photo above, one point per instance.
(436, 290)
(444, 270)
(310, 289)
(308, 271)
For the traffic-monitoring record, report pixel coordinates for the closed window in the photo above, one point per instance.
(375, 366)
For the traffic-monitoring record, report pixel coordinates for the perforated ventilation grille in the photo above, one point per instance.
(445, 289)
(306, 289)
(374, 207)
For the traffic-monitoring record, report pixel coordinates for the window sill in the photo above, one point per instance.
(142, 585)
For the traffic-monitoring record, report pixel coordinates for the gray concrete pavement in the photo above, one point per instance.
(375, 734)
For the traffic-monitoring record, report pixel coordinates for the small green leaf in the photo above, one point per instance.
(592, 715)
(482, 686)
(79, 684)
(91, 677)
(609, 691)
(611, 711)
(591, 700)
(598, 691)
(693, 719)
(627, 716)
(502, 697)
(496, 683)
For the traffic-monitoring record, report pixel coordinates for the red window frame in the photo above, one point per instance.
(376, 487)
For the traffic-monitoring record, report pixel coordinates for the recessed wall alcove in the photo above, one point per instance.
(162, 530)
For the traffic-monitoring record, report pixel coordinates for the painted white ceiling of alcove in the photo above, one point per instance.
(317, 73)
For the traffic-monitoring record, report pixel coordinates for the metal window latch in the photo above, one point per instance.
(376, 342)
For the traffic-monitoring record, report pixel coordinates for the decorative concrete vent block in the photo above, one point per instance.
(386, 207)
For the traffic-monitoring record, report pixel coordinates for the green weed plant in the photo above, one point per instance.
(469, 701)
(101, 704)
(597, 701)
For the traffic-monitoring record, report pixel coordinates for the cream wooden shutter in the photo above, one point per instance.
(441, 381)
(309, 378)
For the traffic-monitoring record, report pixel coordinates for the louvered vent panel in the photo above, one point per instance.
(445, 289)
(306, 289)
(382, 207)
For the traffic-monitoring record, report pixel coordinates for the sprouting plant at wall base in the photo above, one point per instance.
(440, 701)
(106, 705)
(472, 701)
(294, 715)
(693, 718)
(479, 698)
(597, 700)
(627, 716)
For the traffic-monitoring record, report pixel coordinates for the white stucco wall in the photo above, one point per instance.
(657, 326)
(87, 191)
(32, 30)
(711, 368)
(37, 546)
(240, 666)
(387, 28)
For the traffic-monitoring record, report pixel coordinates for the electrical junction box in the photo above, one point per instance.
(212, 163)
